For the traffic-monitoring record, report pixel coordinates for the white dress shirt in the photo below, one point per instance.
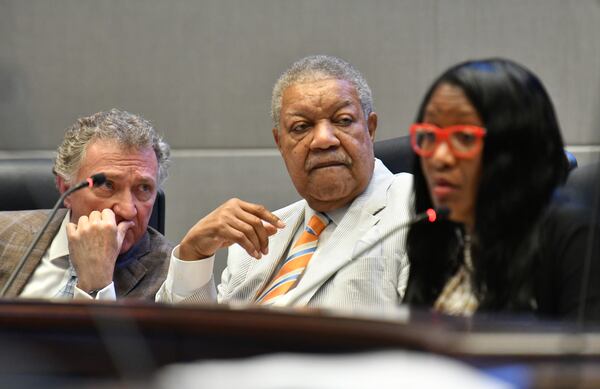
(52, 274)
(185, 277)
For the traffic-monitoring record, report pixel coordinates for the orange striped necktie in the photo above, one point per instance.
(296, 261)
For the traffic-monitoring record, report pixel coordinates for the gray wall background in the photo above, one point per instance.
(202, 71)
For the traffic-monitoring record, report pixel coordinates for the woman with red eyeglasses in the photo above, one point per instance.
(488, 148)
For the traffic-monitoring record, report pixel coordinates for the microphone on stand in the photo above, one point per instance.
(431, 216)
(95, 180)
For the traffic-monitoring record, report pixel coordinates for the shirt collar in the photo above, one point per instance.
(60, 244)
(336, 215)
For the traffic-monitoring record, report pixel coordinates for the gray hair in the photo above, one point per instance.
(316, 68)
(127, 129)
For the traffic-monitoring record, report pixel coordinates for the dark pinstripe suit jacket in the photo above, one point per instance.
(138, 274)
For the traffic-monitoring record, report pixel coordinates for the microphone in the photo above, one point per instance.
(431, 215)
(95, 180)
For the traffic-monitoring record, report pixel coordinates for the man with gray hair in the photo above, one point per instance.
(342, 245)
(100, 246)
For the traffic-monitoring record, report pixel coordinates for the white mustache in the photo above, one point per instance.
(324, 159)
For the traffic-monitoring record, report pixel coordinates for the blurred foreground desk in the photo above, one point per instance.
(51, 342)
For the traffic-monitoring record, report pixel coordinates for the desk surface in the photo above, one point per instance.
(131, 340)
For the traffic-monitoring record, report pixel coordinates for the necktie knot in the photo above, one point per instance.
(317, 223)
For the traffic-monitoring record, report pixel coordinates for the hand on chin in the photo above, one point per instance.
(128, 242)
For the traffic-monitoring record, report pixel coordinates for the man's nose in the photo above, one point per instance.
(324, 136)
(125, 206)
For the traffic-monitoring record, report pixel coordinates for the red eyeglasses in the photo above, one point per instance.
(464, 141)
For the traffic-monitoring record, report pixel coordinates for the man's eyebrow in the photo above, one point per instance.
(143, 179)
(341, 104)
(293, 113)
(113, 175)
(147, 180)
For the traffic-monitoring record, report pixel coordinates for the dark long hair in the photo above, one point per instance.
(523, 162)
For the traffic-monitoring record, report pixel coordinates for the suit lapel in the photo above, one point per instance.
(130, 268)
(34, 223)
(340, 248)
(261, 270)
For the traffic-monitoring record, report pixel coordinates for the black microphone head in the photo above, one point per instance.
(442, 213)
(98, 179)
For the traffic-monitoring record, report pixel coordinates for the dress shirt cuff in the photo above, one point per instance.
(107, 293)
(186, 277)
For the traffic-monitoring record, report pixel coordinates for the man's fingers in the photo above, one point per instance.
(95, 217)
(108, 215)
(247, 233)
(83, 220)
(269, 228)
(235, 221)
(241, 239)
(262, 213)
(71, 230)
(122, 229)
(251, 219)
(258, 230)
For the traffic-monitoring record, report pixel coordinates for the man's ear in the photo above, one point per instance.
(63, 186)
(276, 137)
(372, 125)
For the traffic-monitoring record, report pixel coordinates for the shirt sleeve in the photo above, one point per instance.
(107, 294)
(185, 278)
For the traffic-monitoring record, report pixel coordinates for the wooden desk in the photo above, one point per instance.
(128, 340)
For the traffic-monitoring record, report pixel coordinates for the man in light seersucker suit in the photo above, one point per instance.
(324, 127)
